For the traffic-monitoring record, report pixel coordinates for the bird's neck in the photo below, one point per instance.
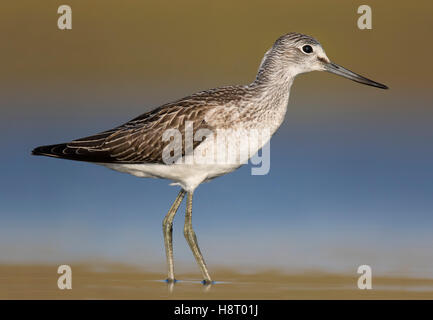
(275, 72)
(274, 80)
(271, 90)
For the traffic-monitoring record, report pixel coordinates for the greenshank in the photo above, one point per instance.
(139, 147)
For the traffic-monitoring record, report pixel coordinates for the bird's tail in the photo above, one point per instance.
(64, 151)
(54, 150)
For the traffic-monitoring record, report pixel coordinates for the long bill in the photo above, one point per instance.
(339, 70)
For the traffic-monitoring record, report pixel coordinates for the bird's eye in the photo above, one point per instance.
(307, 49)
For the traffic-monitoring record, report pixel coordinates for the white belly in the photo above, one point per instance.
(188, 176)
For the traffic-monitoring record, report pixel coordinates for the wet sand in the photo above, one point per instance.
(123, 282)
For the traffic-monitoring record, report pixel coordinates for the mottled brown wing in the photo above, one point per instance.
(137, 141)
(141, 139)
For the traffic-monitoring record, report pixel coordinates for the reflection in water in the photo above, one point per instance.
(170, 286)
(207, 287)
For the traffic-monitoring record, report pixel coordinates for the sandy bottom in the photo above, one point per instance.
(122, 282)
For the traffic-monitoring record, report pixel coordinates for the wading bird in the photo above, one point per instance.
(137, 147)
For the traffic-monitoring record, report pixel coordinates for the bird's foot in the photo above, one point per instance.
(170, 280)
(207, 282)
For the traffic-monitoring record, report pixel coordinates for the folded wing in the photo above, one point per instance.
(137, 141)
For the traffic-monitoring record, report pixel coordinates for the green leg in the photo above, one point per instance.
(192, 240)
(167, 229)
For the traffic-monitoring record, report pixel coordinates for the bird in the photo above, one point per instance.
(163, 143)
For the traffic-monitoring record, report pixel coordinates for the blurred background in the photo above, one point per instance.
(351, 178)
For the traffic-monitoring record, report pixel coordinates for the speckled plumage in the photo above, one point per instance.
(140, 140)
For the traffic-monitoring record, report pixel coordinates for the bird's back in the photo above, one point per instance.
(141, 139)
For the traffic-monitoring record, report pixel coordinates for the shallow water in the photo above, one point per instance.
(121, 282)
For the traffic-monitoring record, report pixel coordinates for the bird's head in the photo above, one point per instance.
(296, 53)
